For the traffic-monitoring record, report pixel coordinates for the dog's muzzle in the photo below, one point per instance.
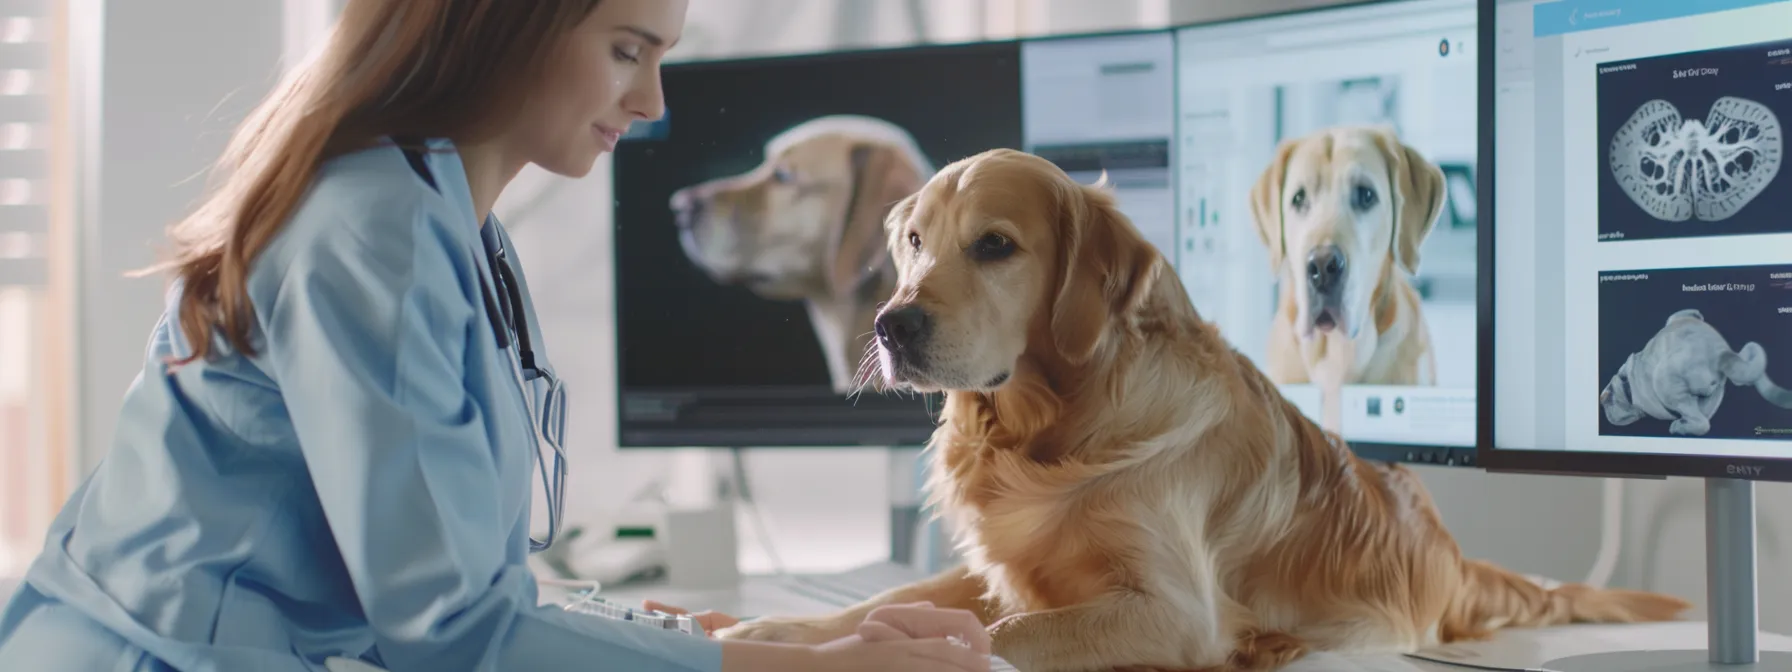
(1326, 269)
(903, 332)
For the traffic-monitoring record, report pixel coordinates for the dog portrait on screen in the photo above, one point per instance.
(1343, 213)
(806, 224)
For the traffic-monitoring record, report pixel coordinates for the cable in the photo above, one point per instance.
(1611, 528)
(744, 493)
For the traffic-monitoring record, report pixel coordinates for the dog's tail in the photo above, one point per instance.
(1492, 597)
(1749, 367)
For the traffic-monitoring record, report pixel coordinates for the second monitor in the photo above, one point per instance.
(1327, 213)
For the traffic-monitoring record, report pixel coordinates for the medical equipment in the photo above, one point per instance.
(587, 602)
(508, 314)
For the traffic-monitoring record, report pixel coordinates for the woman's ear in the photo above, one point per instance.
(1105, 271)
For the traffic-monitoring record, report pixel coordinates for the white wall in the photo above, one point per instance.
(168, 99)
(173, 78)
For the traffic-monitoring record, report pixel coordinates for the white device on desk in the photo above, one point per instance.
(587, 602)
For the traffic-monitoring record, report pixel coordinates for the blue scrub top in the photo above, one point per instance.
(360, 487)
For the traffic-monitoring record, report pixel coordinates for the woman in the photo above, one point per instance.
(328, 452)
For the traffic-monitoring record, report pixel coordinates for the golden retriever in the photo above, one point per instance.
(807, 224)
(1129, 491)
(1344, 213)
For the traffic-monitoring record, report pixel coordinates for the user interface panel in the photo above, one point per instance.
(1644, 248)
(1326, 214)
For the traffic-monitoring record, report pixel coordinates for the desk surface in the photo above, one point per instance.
(1512, 649)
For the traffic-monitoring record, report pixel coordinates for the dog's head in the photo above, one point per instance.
(1339, 209)
(1001, 258)
(1616, 399)
(808, 221)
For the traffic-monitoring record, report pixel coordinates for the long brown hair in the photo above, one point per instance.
(424, 68)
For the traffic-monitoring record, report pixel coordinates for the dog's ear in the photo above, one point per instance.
(896, 218)
(1419, 191)
(1105, 272)
(881, 176)
(1266, 202)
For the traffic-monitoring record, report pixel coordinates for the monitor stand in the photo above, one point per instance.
(913, 533)
(1730, 590)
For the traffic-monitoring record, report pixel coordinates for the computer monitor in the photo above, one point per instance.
(749, 255)
(1370, 241)
(1636, 302)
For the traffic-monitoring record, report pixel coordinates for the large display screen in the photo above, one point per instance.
(1327, 209)
(1643, 280)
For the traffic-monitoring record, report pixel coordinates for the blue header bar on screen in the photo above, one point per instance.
(1573, 16)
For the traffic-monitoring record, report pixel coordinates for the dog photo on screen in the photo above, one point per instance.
(1346, 207)
(749, 229)
(807, 224)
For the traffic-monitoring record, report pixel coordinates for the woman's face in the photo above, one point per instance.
(606, 77)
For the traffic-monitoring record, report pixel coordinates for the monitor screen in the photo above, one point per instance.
(750, 257)
(1643, 277)
(1326, 215)
(750, 254)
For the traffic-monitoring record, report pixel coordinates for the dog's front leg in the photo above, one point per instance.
(1692, 420)
(1121, 630)
(955, 588)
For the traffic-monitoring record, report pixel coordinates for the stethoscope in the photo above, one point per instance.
(508, 316)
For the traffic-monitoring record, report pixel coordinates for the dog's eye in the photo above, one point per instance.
(914, 240)
(992, 247)
(1363, 198)
(783, 176)
(1300, 199)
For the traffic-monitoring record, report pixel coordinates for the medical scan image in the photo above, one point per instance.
(1673, 342)
(1678, 169)
(1693, 144)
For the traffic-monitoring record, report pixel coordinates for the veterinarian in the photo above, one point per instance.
(330, 448)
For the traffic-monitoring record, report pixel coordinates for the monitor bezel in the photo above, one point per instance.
(1553, 462)
(1413, 453)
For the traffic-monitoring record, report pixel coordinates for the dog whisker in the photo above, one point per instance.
(865, 378)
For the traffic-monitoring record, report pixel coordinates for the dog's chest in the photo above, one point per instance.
(1048, 554)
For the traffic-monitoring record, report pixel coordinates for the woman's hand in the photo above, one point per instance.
(856, 653)
(892, 638)
(921, 620)
(710, 620)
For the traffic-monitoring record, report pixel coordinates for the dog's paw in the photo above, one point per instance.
(788, 630)
(1264, 650)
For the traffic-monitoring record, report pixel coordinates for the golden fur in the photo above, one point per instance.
(1381, 243)
(1136, 495)
(807, 224)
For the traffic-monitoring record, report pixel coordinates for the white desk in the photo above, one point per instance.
(1513, 649)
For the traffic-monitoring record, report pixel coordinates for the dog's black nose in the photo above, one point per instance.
(903, 328)
(1325, 269)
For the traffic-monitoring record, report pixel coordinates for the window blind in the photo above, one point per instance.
(25, 90)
